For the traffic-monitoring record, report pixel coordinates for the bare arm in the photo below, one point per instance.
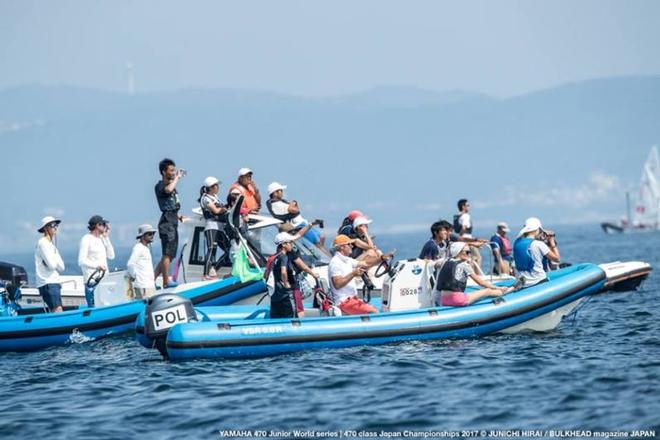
(305, 268)
(341, 281)
(553, 254)
(215, 209)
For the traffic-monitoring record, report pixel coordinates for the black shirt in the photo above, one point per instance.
(168, 203)
(283, 260)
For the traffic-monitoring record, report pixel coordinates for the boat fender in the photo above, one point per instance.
(164, 311)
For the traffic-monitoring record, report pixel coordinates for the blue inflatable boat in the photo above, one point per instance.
(240, 332)
(34, 331)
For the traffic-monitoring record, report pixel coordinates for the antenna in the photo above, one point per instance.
(131, 78)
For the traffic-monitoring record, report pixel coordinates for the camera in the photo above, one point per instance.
(182, 172)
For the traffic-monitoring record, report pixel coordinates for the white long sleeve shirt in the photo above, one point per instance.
(94, 252)
(140, 267)
(47, 263)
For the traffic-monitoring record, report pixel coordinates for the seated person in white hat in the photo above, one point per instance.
(364, 248)
(502, 250)
(140, 266)
(289, 213)
(246, 186)
(342, 272)
(453, 276)
(48, 264)
(532, 248)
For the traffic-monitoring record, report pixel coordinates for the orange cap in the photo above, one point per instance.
(341, 240)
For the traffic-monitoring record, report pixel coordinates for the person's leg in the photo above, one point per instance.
(370, 257)
(210, 236)
(89, 296)
(300, 308)
(483, 293)
(355, 306)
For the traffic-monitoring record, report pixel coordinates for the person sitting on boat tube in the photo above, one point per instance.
(531, 248)
(342, 272)
(453, 276)
(48, 265)
(289, 213)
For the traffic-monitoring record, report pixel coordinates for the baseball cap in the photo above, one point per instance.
(341, 240)
(275, 186)
(284, 237)
(355, 214)
(531, 224)
(210, 181)
(97, 220)
(456, 248)
(503, 226)
(244, 171)
(361, 221)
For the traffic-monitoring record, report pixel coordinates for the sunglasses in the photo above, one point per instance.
(53, 226)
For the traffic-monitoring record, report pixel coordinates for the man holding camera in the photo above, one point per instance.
(532, 247)
(169, 204)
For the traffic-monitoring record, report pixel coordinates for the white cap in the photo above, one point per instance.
(47, 220)
(284, 237)
(144, 229)
(531, 224)
(456, 248)
(235, 191)
(210, 181)
(275, 186)
(361, 221)
(503, 226)
(244, 171)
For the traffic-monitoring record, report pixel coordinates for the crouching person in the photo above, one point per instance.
(453, 276)
(342, 272)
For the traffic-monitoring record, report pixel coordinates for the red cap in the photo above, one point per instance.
(355, 214)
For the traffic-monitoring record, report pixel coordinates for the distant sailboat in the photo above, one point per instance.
(646, 216)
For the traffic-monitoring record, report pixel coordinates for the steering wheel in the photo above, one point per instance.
(384, 267)
(95, 278)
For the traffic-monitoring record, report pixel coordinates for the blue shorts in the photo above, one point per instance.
(52, 295)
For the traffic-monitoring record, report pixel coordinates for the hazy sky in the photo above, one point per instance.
(324, 48)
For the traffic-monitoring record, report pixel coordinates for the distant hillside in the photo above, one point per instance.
(404, 155)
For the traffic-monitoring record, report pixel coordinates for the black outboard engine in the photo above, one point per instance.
(14, 277)
(163, 312)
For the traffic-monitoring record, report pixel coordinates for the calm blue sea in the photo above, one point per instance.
(600, 371)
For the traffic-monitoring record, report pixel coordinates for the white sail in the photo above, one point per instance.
(647, 210)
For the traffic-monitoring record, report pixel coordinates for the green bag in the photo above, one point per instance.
(242, 269)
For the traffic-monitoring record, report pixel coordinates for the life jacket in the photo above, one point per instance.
(503, 243)
(206, 212)
(521, 254)
(249, 197)
(284, 217)
(458, 226)
(447, 277)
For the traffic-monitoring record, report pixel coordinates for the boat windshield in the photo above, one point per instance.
(263, 240)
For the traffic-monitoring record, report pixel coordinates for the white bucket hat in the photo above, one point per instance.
(361, 221)
(531, 224)
(456, 248)
(275, 186)
(284, 237)
(144, 229)
(210, 181)
(46, 221)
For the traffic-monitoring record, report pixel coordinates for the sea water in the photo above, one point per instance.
(598, 372)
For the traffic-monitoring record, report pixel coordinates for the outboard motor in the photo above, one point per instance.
(163, 312)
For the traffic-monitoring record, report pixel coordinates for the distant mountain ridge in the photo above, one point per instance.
(404, 155)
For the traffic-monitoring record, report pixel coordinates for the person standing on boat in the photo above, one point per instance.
(283, 301)
(502, 250)
(246, 186)
(452, 280)
(463, 227)
(48, 264)
(289, 213)
(215, 215)
(168, 225)
(342, 272)
(531, 248)
(140, 266)
(94, 252)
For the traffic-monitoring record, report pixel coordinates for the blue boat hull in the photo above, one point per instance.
(256, 337)
(35, 332)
